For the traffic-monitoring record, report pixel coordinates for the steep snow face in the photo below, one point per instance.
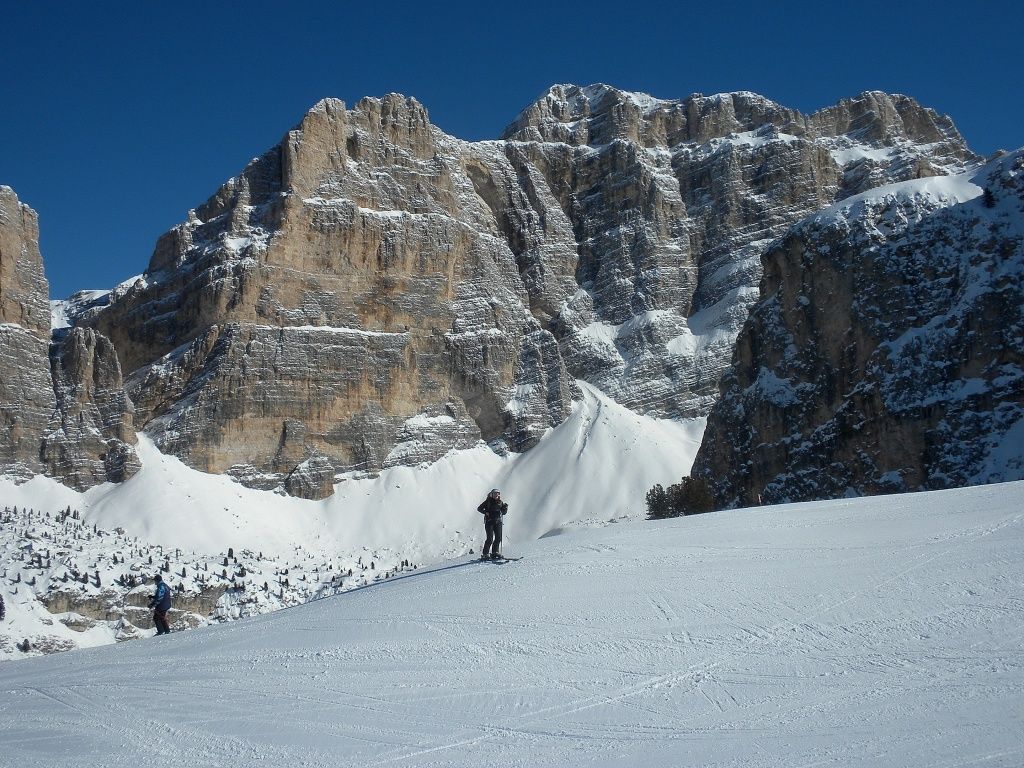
(64, 313)
(859, 633)
(885, 354)
(597, 466)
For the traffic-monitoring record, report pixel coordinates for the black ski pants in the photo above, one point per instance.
(493, 529)
(160, 619)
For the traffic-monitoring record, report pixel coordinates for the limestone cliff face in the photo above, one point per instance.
(63, 411)
(91, 436)
(24, 292)
(26, 392)
(672, 203)
(887, 351)
(372, 291)
(348, 287)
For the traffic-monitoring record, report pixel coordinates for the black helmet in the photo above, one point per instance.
(495, 493)
(158, 578)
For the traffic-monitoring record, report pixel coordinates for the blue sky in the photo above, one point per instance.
(119, 117)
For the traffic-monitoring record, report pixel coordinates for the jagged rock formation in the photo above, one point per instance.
(24, 292)
(372, 291)
(672, 203)
(887, 351)
(26, 392)
(347, 285)
(91, 434)
(72, 422)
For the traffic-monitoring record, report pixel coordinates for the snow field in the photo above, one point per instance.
(596, 466)
(871, 632)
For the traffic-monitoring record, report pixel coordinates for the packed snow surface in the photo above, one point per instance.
(869, 632)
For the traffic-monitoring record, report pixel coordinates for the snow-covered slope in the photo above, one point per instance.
(871, 632)
(597, 465)
(65, 312)
(555, 483)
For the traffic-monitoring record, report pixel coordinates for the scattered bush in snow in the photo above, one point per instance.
(690, 496)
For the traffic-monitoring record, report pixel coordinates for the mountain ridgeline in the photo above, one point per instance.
(372, 292)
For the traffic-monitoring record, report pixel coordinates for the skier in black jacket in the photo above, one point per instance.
(493, 509)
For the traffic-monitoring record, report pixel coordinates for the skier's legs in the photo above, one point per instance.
(496, 548)
(160, 619)
(489, 528)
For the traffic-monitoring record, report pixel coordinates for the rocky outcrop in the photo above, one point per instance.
(887, 351)
(132, 608)
(91, 436)
(24, 292)
(311, 479)
(372, 291)
(68, 416)
(26, 391)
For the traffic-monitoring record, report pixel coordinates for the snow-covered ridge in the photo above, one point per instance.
(587, 98)
(934, 191)
(744, 140)
(64, 311)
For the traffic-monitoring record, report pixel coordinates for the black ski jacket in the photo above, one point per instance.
(492, 509)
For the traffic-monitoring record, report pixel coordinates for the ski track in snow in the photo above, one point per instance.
(869, 632)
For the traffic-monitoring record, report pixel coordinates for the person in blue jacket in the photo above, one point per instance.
(161, 603)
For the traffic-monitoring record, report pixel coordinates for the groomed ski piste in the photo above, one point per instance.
(886, 631)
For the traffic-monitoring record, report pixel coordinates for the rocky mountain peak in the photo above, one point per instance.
(599, 114)
(354, 279)
(395, 110)
(373, 292)
(63, 409)
(24, 291)
(887, 119)
(592, 114)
